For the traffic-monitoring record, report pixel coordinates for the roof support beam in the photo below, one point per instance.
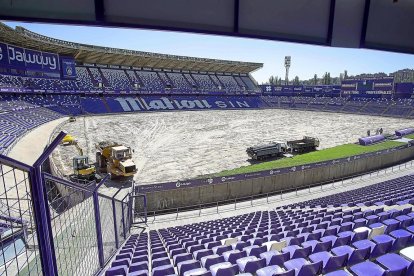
(364, 23)
(331, 22)
(236, 16)
(99, 10)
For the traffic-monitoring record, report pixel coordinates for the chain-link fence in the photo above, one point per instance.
(51, 226)
(18, 236)
(74, 227)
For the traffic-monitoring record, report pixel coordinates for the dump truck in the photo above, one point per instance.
(307, 144)
(262, 152)
(116, 159)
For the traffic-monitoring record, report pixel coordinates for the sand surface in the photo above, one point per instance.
(172, 146)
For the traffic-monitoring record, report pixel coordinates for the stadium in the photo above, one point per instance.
(123, 162)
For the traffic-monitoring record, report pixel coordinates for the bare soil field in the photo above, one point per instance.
(172, 146)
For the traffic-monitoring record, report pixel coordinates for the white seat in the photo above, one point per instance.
(408, 253)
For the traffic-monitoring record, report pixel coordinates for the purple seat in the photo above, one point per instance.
(368, 268)
(303, 267)
(221, 249)
(402, 238)
(377, 249)
(224, 269)
(297, 251)
(208, 261)
(275, 258)
(391, 224)
(187, 265)
(256, 241)
(405, 220)
(157, 249)
(396, 264)
(177, 251)
(139, 273)
(198, 272)
(337, 241)
(161, 262)
(160, 255)
(138, 266)
(346, 226)
(121, 262)
(201, 253)
(274, 270)
(163, 270)
(316, 235)
(212, 244)
(233, 255)
(295, 240)
(253, 265)
(240, 245)
(123, 256)
(317, 246)
(255, 250)
(117, 271)
(182, 257)
(354, 255)
(139, 259)
(329, 262)
(194, 248)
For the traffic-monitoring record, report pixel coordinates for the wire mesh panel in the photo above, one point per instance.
(18, 236)
(107, 225)
(122, 218)
(74, 229)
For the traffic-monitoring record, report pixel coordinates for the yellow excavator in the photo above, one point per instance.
(82, 170)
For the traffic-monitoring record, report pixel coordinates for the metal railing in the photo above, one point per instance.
(55, 226)
(19, 252)
(270, 197)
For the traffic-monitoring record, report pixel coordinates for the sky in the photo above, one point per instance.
(307, 60)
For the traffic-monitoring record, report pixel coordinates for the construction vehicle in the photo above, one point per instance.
(307, 144)
(274, 149)
(68, 140)
(82, 170)
(115, 159)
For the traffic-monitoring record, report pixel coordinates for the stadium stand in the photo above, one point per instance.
(356, 230)
(19, 117)
(84, 79)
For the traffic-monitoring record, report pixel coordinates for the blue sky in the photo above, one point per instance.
(306, 59)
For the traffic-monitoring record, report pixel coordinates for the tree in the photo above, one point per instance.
(296, 81)
(328, 78)
(271, 80)
(346, 74)
(315, 79)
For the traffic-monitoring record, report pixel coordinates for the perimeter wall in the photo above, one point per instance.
(166, 196)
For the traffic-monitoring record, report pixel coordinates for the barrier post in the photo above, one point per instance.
(115, 226)
(98, 228)
(42, 212)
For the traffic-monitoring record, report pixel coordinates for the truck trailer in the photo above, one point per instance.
(274, 149)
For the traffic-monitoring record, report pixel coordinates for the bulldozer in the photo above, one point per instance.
(82, 170)
(116, 159)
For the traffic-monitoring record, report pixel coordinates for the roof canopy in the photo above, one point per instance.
(103, 55)
(375, 24)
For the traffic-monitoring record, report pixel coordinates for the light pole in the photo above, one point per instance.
(287, 66)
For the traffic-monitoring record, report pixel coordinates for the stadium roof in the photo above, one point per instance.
(374, 24)
(104, 55)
